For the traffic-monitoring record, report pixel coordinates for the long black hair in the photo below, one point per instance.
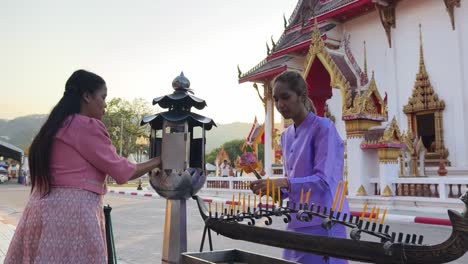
(80, 82)
(298, 85)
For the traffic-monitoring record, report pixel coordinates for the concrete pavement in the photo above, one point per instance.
(138, 226)
(6, 234)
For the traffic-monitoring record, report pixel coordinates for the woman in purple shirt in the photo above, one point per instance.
(313, 159)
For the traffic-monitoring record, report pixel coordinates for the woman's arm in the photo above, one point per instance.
(144, 167)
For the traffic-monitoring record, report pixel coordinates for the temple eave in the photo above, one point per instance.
(262, 76)
(381, 145)
(363, 117)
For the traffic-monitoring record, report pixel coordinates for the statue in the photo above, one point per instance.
(414, 153)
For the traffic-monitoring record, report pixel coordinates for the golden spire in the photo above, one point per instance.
(365, 60)
(422, 65)
(316, 32)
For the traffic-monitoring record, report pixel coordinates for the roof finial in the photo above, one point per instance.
(365, 60)
(239, 72)
(273, 44)
(268, 48)
(285, 21)
(422, 65)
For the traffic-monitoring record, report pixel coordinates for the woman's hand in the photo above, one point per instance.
(256, 186)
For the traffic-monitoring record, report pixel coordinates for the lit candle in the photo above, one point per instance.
(260, 196)
(308, 196)
(267, 191)
(343, 194)
(255, 202)
(222, 208)
(364, 209)
(376, 215)
(383, 217)
(216, 207)
(243, 204)
(279, 196)
(249, 201)
(233, 208)
(336, 195)
(239, 203)
(209, 208)
(273, 192)
(371, 213)
(302, 196)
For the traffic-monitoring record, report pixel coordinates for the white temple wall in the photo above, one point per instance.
(362, 166)
(461, 24)
(388, 172)
(396, 68)
(335, 105)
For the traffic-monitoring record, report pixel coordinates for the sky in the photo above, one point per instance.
(138, 47)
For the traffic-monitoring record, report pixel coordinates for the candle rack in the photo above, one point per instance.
(392, 247)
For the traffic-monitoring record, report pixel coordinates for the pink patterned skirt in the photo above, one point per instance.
(66, 226)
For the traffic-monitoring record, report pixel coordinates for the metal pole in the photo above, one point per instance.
(121, 135)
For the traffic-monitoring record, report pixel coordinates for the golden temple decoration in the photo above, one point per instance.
(388, 155)
(388, 17)
(319, 51)
(328, 114)
(387, 192)
(262, 98)
(392, 133)
(365, 60)
(450, 5)
(367, 103)
(414, 147)
(424, 101)
(357, 127)
(361, 191)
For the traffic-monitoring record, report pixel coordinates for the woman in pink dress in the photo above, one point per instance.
(69, 159)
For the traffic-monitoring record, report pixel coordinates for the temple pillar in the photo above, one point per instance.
(268, 145)
(362, 165)
(388, 170)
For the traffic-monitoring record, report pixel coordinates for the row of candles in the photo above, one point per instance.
(245, 207)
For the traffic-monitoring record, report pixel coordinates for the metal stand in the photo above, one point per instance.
(175, 231)
(207, 229)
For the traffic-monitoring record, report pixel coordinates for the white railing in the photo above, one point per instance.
(447, 187)
(230, 184)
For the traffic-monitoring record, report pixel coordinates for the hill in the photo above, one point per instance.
(20, 131)
(226, 132)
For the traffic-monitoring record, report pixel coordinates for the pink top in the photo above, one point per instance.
(82, 156)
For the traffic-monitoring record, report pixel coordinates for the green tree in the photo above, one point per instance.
(233, 149)
(121, 112)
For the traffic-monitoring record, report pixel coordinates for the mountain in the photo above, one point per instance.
(226, 132)
(21, 130)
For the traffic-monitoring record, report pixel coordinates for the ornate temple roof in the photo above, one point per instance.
(383, 137)
(297, 35)
(423, 98)
(365, 104)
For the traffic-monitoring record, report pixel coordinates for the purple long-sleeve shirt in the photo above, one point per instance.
(313, 159)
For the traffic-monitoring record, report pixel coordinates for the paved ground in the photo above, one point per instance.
(138, 226)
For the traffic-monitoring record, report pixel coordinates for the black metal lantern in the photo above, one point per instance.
(178, 137)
